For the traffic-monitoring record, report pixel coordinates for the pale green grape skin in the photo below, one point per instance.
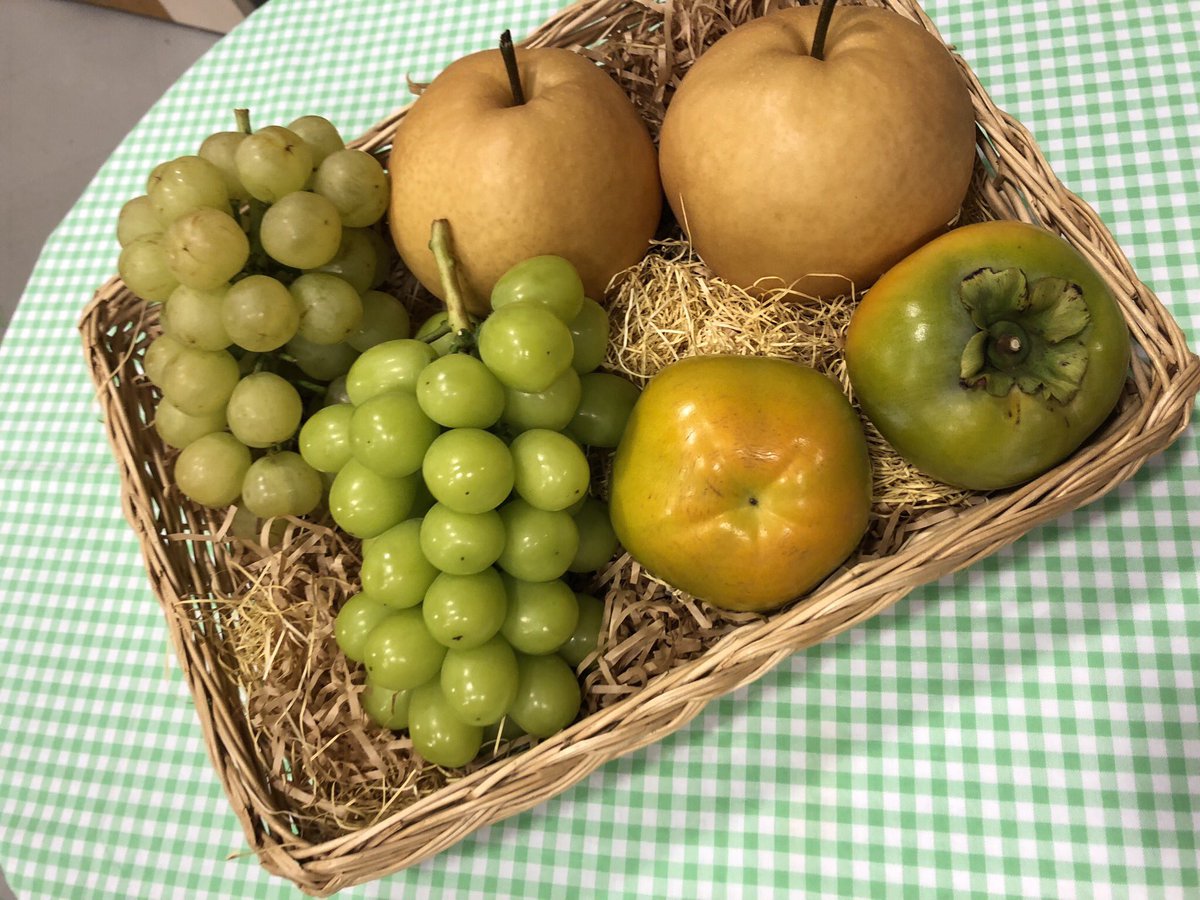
(185, 184)
(586, 636)
(194, 317)
(220, 149)
(387, 709)
(365, 504)
(597, 539)
(260, 314)
(205, 248)
(542, 615)
(435, 324)
(355, 620)
(539, 544)
(468, 470)
(552, 408)
(354, 261)
(330, 308)
(143, 267)
(394, 569)
(325, 438)
(281, 484)
(458, 391)
(335, 391)
(461, 543)
(155, 176)
(548, 695)
(137, 219)
(301, 230)
(547, 281)
(438, 734)
(526, 346)
(384, 319)
(264, 410)
(589, 336)
(160, 354)
(390, 366)
(200, 382)
(177, 429)
(549, 469)
(356, 184)
(385, 256)
(210, 470)
(480, 682)
(324, 362)
(321, 136)
(465, 611)
(400, 653)
(604, 407)
(273, 162)
(390, 434)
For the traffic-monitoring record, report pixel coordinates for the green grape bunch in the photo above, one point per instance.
(265, 252)
(460, 458)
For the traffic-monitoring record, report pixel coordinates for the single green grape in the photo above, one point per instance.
(264, 409)
(356, 184)
(177, 429)
(321, 136)
(354, 261)
(385, 256)
(355, 620)
(439, 324)
(526, 346)
(542, 615)
(549, 469)
(200, 382)
(194, 317)
(461, 543)
(384, 319)
(386, 708)
(324, 362)
(220, 149)
(301, 230)
(438, 734)
(260, 314)
(604, 406)
(143, 267)
(205, 248)
(597, 540)
(335, 391)
(364, 503)
(325, 437)
(589, 336)
(390, 434)
(552, 408)
(548, 696)
(330, 308)
(390, 366)
(459, 391)
(547, 281)
(394, 569)
(464, 611)
(272, 163)
(400, 653)
(586, 636)
(210, 469)
(160, 354)
(185, 184)
(480, 682)
(468, 470)
(281, 484)
(137, 219)
(539, 544)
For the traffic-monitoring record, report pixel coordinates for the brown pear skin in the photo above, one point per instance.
(818, 173)
(571, 172)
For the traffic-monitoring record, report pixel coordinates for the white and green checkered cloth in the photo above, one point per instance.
(1030, 727)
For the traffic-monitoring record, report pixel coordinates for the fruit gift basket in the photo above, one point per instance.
(328, 801)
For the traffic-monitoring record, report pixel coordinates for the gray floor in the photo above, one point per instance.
(74, 79)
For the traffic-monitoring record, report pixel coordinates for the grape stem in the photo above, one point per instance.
(442, 246)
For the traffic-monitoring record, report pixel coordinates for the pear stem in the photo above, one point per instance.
(823, 17)
(442, 246)
(509, 52)
(243, 120)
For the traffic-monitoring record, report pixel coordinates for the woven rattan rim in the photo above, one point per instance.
(1020, 185)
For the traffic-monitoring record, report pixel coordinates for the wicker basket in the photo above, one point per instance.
(1015, 182)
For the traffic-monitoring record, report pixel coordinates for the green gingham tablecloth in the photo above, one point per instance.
(1029, 727)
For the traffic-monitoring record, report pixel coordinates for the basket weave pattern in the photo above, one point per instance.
(1015, 183)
